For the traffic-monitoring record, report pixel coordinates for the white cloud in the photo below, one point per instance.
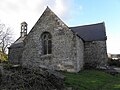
(113, 44)
(60, 8)
(13, 12)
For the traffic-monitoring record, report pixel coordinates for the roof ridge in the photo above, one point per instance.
(88, 25)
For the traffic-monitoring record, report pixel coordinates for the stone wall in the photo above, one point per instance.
(14, 55)
(79, 48)
(67, 48)
(95, 53)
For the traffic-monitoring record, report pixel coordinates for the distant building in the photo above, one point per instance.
(52, 44)
(114, 56)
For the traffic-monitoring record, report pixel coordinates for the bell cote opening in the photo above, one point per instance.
(23, 29)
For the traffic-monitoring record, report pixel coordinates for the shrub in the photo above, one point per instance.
(3, 57)
(114, 62)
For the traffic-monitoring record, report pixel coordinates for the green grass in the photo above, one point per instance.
(92, 80)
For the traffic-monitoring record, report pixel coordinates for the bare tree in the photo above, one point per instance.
(5, 37)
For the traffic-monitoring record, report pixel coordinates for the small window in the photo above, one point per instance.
(46, 43)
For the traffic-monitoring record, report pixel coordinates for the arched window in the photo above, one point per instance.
(46, 43)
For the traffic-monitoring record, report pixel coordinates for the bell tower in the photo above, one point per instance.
(23, 29)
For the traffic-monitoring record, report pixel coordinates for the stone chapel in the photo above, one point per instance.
(51, 44)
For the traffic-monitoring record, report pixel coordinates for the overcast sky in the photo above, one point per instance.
(72, 12)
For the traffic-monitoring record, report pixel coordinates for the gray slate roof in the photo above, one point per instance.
(18, 43)
(93, 32)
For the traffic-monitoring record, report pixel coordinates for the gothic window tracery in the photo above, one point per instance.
(46, 43)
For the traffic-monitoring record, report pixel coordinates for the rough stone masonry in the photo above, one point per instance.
(53, 45)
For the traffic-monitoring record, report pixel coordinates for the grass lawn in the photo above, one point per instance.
(92, 80)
